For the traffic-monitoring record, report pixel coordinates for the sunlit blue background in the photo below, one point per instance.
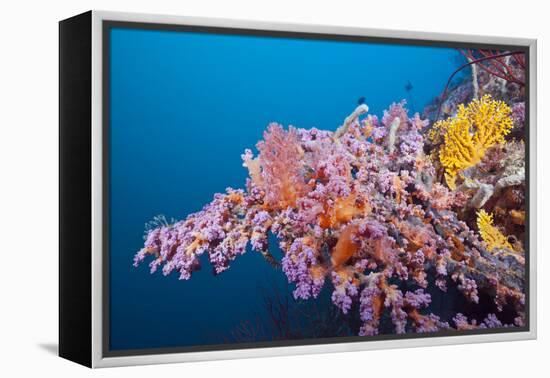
(184, 106)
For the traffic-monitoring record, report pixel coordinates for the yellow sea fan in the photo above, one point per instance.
(489, 233)
(468, 135)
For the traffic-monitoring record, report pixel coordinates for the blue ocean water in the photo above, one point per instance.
(184, 106)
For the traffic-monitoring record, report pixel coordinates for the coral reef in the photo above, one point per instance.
(364, 213)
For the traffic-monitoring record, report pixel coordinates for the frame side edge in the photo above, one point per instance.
(533, 188)
(74, 189)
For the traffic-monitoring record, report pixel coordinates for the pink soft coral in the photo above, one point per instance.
(280, 161)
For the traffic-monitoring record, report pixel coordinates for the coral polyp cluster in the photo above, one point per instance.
(362, 212)
(489, 233)
(468, 135)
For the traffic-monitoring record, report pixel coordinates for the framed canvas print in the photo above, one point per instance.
(236, 188)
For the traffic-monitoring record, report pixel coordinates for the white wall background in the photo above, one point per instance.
(28, 185)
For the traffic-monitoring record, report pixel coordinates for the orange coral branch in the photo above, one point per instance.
(345, 247)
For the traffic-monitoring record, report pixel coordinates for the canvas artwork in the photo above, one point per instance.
(299, 189)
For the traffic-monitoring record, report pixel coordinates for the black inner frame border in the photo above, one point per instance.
(108, 25)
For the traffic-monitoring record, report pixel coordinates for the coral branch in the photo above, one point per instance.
(361, 109)
(475, 128)
(490, 234)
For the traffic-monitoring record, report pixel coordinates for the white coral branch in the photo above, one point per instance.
(361, 109)
(392, 135)
(474, 80)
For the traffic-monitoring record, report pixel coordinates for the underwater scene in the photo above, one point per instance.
(307, 190)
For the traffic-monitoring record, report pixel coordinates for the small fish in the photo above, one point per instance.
(361, 100)
(409, 87)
